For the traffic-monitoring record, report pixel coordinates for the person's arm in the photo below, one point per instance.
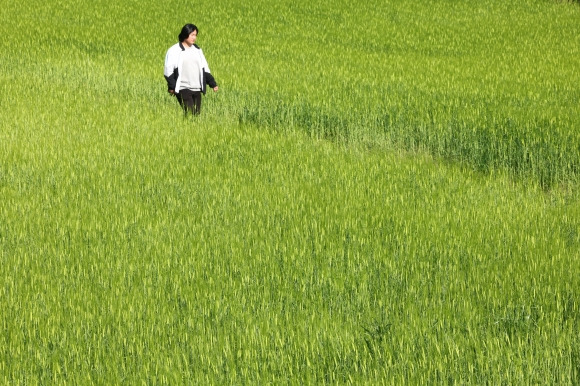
(210, 80)
(171, 81)
(207, 76)
(170, 70)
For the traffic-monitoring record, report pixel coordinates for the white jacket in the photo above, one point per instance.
(174, 63)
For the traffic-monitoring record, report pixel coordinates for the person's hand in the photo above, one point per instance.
(172, 92)
(215, 89)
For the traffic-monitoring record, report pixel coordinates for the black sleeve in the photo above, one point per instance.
(172, 80)
(209, 79)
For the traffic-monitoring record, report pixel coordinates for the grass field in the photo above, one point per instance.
(385, 196)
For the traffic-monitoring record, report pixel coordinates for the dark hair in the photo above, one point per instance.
(186, 31)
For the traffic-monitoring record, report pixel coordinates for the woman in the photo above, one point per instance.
(187, 71)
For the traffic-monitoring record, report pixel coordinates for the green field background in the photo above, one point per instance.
(384, 193)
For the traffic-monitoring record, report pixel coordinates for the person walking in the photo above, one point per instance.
(187, 72)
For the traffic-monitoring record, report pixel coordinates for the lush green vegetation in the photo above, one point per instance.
(386, 196)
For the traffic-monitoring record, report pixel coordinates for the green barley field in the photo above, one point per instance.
(379, 193)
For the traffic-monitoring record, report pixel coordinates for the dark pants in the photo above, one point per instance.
(190, 101)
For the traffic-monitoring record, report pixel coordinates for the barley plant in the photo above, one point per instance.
(378, 194)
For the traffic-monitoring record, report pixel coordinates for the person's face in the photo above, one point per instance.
(190, 41)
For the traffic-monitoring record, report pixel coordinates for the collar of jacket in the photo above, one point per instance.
(183, 48)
